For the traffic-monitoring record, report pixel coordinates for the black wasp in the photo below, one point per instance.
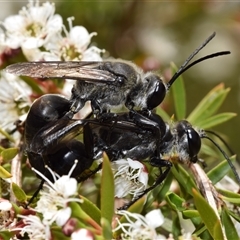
(121, 138)
(50, 129)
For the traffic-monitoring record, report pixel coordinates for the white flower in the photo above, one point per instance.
(14, 100)
(5, 205)
(33, 26)
(73, 46)
(34, 227)
(130, 177)
(53, 203)
(82, 234)
(7, 216)
(139, 227)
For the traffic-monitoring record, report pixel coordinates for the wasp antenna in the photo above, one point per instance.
(184, 67)
(222, 140)
(217, 54)
(226, 157)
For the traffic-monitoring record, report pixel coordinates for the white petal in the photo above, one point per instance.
(55, 24)
(92, 54)
(14, 23)
(63, 215)
(32, 42)
(82, 234)
(5, 205)
(122, 188)
(66, 186)
(80, 36)
(134, 164)
(32, 54)
(143, 178)
(155, 218)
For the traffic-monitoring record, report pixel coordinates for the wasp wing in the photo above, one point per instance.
(56, 134)
(86, 71)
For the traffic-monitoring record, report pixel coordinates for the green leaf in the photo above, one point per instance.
(176, 227)
(190, 213)
(19, 193)
(232, 200)
(183, 178)
(217, 119)
(208, 216)
(179, 95)
(6, 235)
(57, 233)
(230, 229)
(208, 105)
(106, 229)
(5, 134)
(159, 195)
(4, 173)
(137, 207)
(9, 153)
(79, 213)
(235, 215)
(107, 190)
(175, 201)
(218, 172)
(200, 230)
(91, 209)
(209, 150)
(229, 194)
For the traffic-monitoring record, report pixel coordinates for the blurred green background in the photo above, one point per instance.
(154, 33)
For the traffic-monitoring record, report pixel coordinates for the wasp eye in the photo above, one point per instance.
(189, 140)
(156, 91)
(194, 144)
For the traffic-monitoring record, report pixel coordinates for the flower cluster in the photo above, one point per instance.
(53, 206)
(41, 35)
(130, 177)
(140, 227)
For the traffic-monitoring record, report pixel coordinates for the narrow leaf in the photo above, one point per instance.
(91, 209)
(5, 134)
(179, 95)
(190, 214)
(209, 217)
(9, 153)
(209, 105)
(216, 120)
(183, 178)
(6, 235)
(107, 190)
(218, 172)
(19, 193)
(106, 229)
(231, 232)
(4, 173)
(175, 202)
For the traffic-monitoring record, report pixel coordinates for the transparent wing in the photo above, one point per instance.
(86, 71)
